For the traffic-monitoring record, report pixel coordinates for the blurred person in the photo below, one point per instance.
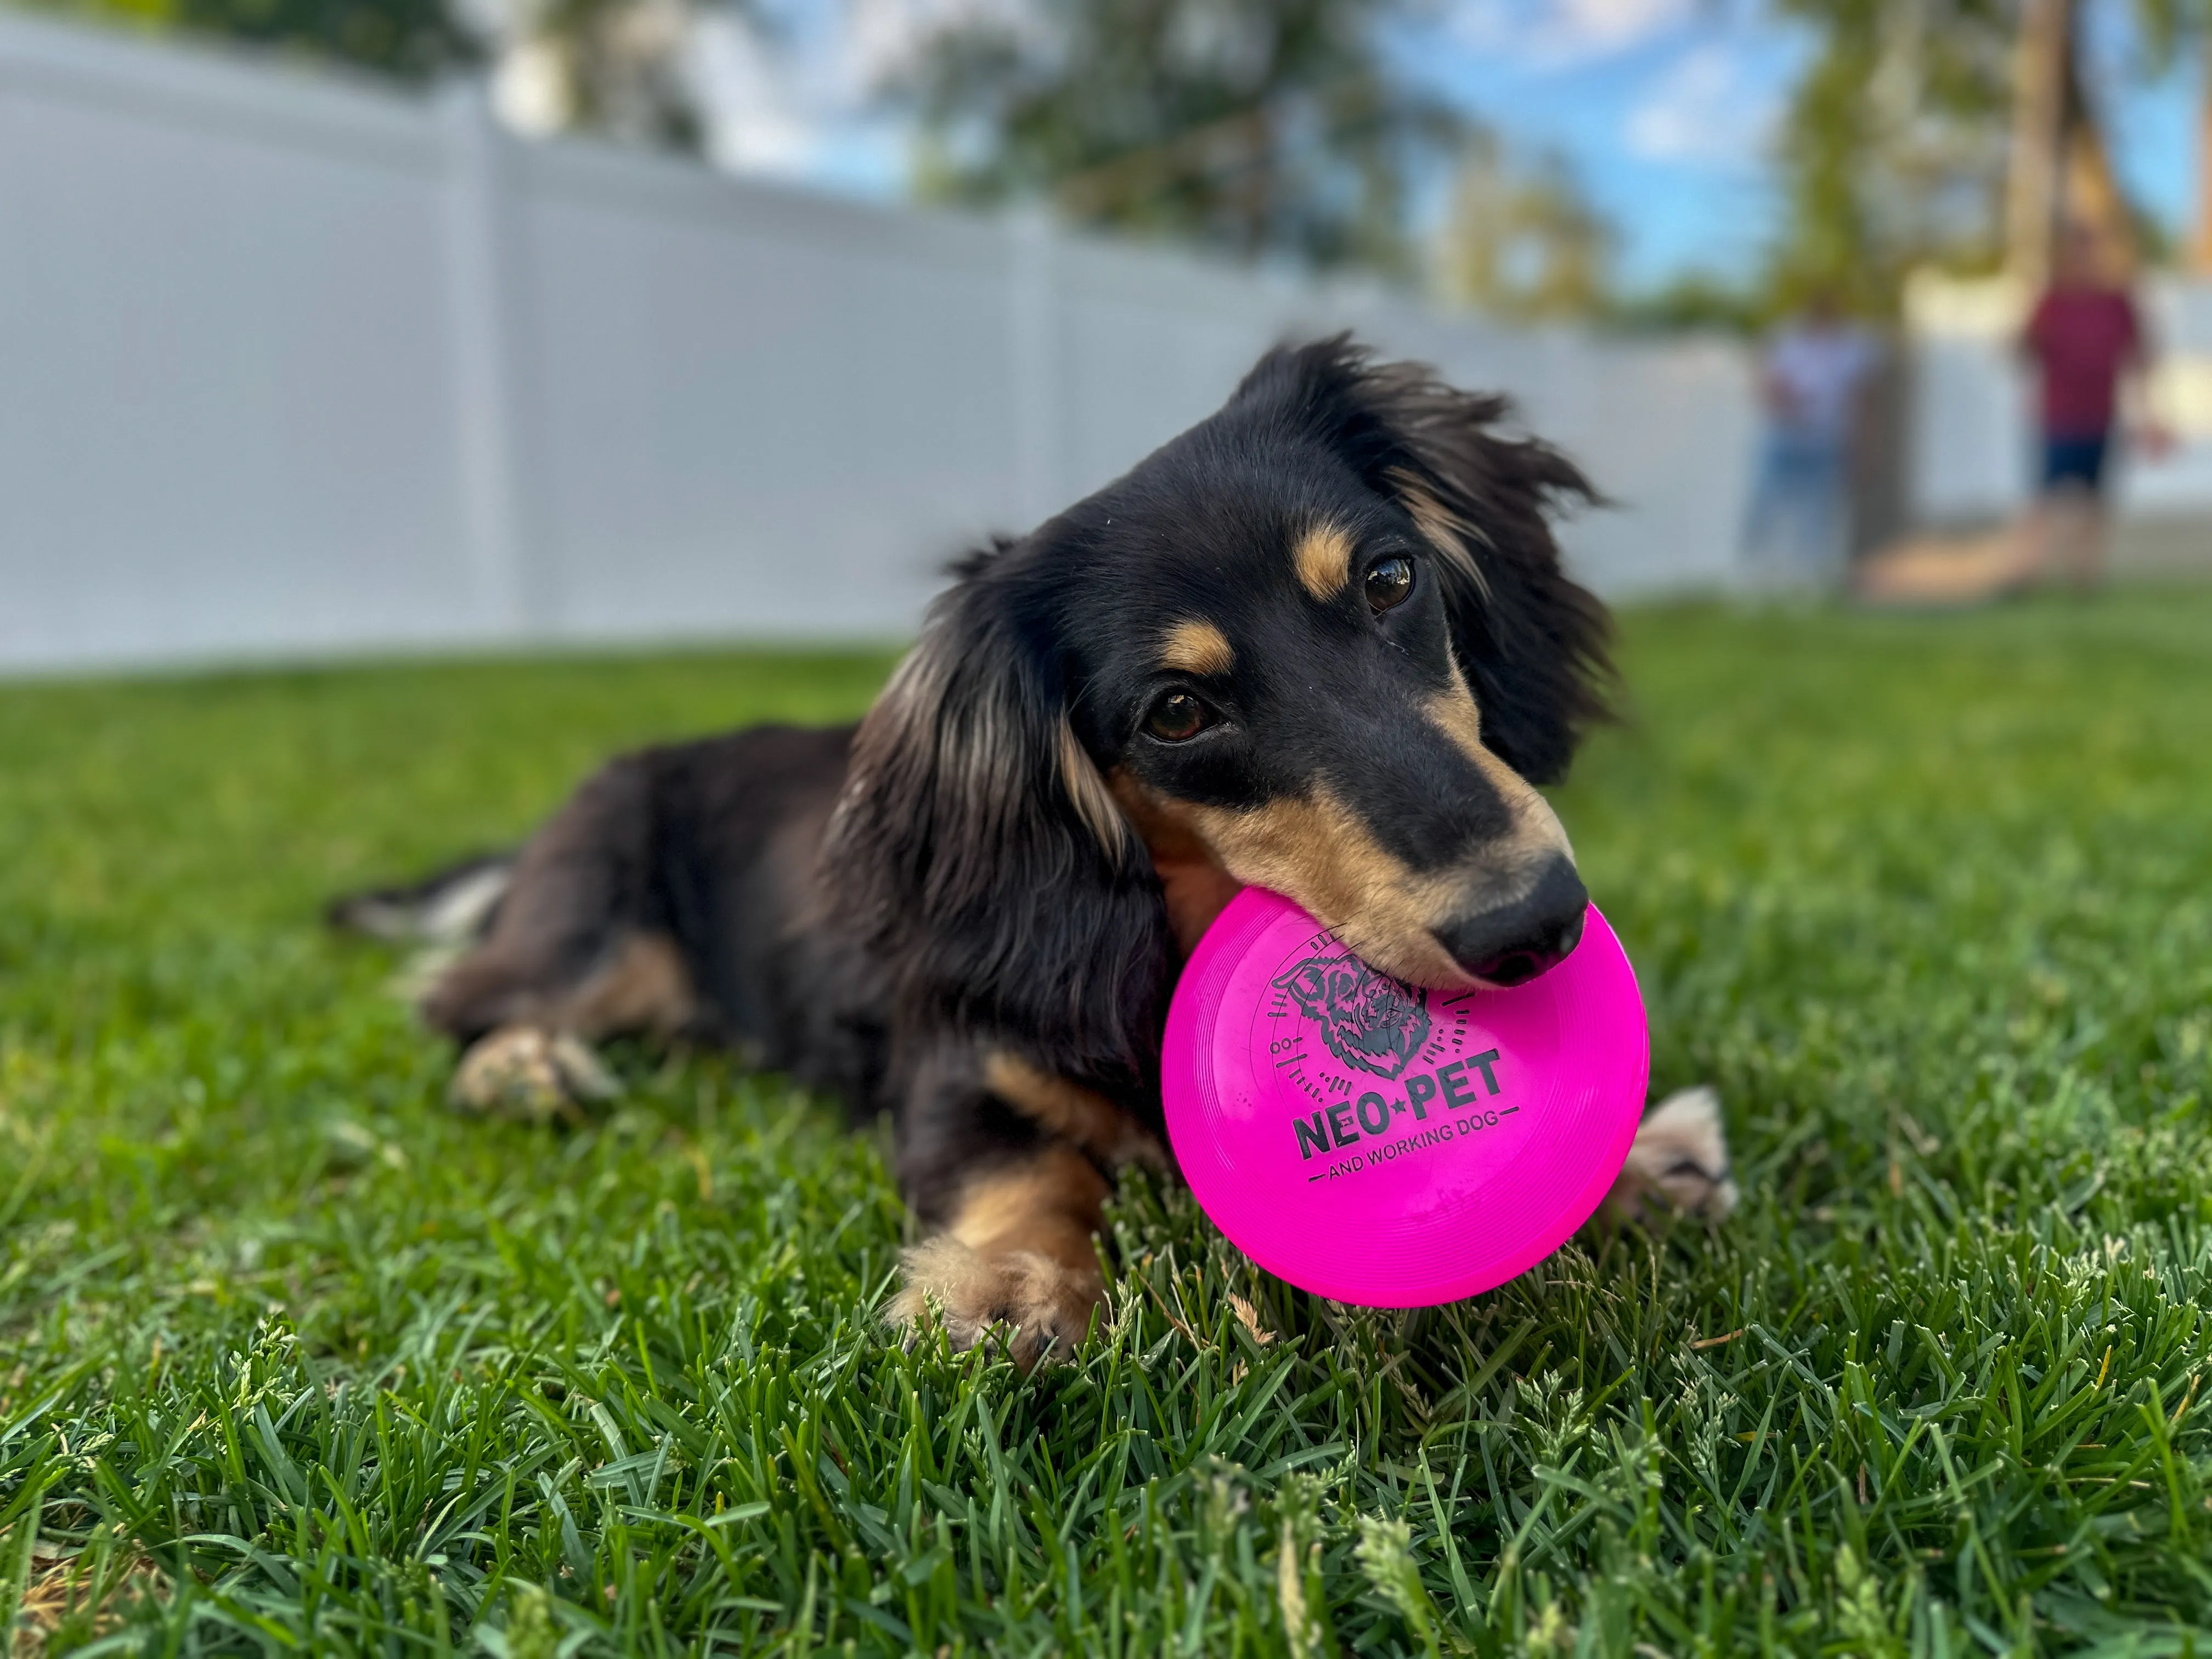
(1813, 381)
(2084, 337)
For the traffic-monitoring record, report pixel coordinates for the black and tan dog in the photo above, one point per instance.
(1321, 642)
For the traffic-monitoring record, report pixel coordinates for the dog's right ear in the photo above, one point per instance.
(978, 853)
(1531, 641)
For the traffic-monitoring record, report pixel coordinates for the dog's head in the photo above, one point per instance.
(1322, 643)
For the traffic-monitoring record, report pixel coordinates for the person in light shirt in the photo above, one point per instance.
(1813, 383)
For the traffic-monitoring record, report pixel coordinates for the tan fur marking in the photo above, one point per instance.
(1018, 1252)
(528, 1074)
(644, 986)
(1051, 1204)
(1071, 1111)
(1316, 850)
(1094, 802)
(1442, 529)
(1195, 885)
(1197, 648)
(1323, 558)
(1537, 829)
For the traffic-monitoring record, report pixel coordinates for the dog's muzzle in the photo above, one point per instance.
(1513, 942)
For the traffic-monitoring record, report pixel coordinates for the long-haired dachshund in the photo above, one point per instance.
(1321, 642)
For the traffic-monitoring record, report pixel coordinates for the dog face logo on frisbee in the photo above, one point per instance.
(1370, 1021)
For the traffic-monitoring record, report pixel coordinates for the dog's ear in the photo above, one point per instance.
(977, 852)
(1531, 641)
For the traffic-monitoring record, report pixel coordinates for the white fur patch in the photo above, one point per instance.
(521, 1071)
(1681, 1154)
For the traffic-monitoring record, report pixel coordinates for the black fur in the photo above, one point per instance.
(882, 912)
(960, 858)
(1534, 642)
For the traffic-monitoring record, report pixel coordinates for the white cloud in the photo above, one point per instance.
(1707, 108)
(1562, 33)
(1602, 28)
(757, 117)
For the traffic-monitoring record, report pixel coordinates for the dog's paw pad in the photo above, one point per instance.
(523, 1072)
(1036, 1306)
(1682, 1155)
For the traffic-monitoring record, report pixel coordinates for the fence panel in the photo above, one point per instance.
(293, 366)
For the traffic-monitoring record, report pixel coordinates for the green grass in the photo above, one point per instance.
(290, 1357)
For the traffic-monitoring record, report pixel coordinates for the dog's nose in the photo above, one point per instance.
(1512, 944)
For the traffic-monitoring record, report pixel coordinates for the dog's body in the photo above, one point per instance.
(1322, 643)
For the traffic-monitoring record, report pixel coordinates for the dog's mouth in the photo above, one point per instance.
(1386, 914)
(1498, 950)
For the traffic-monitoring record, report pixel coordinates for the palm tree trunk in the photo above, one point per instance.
(2091, 194)
(2201, 254)
(2035, 183)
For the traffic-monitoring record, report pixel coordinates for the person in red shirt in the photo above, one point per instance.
(2083, 337)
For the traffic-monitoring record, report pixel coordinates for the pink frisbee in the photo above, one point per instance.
(1374, 1142)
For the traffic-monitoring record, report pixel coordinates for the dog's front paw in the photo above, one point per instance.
(1044, 1306)
(1682, 1155)
(525, 1072)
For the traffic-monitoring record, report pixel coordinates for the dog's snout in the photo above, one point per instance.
(1510, 944)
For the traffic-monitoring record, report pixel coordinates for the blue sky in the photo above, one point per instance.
(1666, 107)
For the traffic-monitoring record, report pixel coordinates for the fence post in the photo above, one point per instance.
(482, 270)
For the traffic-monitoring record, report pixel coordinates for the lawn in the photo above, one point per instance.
(292, 1358)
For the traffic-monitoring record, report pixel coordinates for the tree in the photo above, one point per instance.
(1893, 150)
(1521, 241)
(2169, 27)
(2201, 248)
(412, 40)
(614, 67)
(1260, 126)
(1958, 132)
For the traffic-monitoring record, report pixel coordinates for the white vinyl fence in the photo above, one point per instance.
(290, 365)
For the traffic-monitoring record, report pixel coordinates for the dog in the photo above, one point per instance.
(1321, 642)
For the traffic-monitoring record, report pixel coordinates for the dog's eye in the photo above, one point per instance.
(1388, 582)
(1175, 716)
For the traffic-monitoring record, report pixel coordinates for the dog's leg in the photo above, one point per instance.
(1017, 1253)
(1682, 1155)
(1083, 1117)
(576, 951)
(542, 1065)
(529, 1073)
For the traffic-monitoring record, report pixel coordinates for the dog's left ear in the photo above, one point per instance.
(1531, 641)
(977, 853)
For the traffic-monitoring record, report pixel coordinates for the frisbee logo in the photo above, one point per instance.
(1370, 1021)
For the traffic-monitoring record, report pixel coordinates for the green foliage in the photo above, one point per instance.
(413, 41)
(1695, 300)
(2168, 27)
(1260, 126)
(291, 1357)
(1524, 241)
(616, 68)
(1893, 152)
